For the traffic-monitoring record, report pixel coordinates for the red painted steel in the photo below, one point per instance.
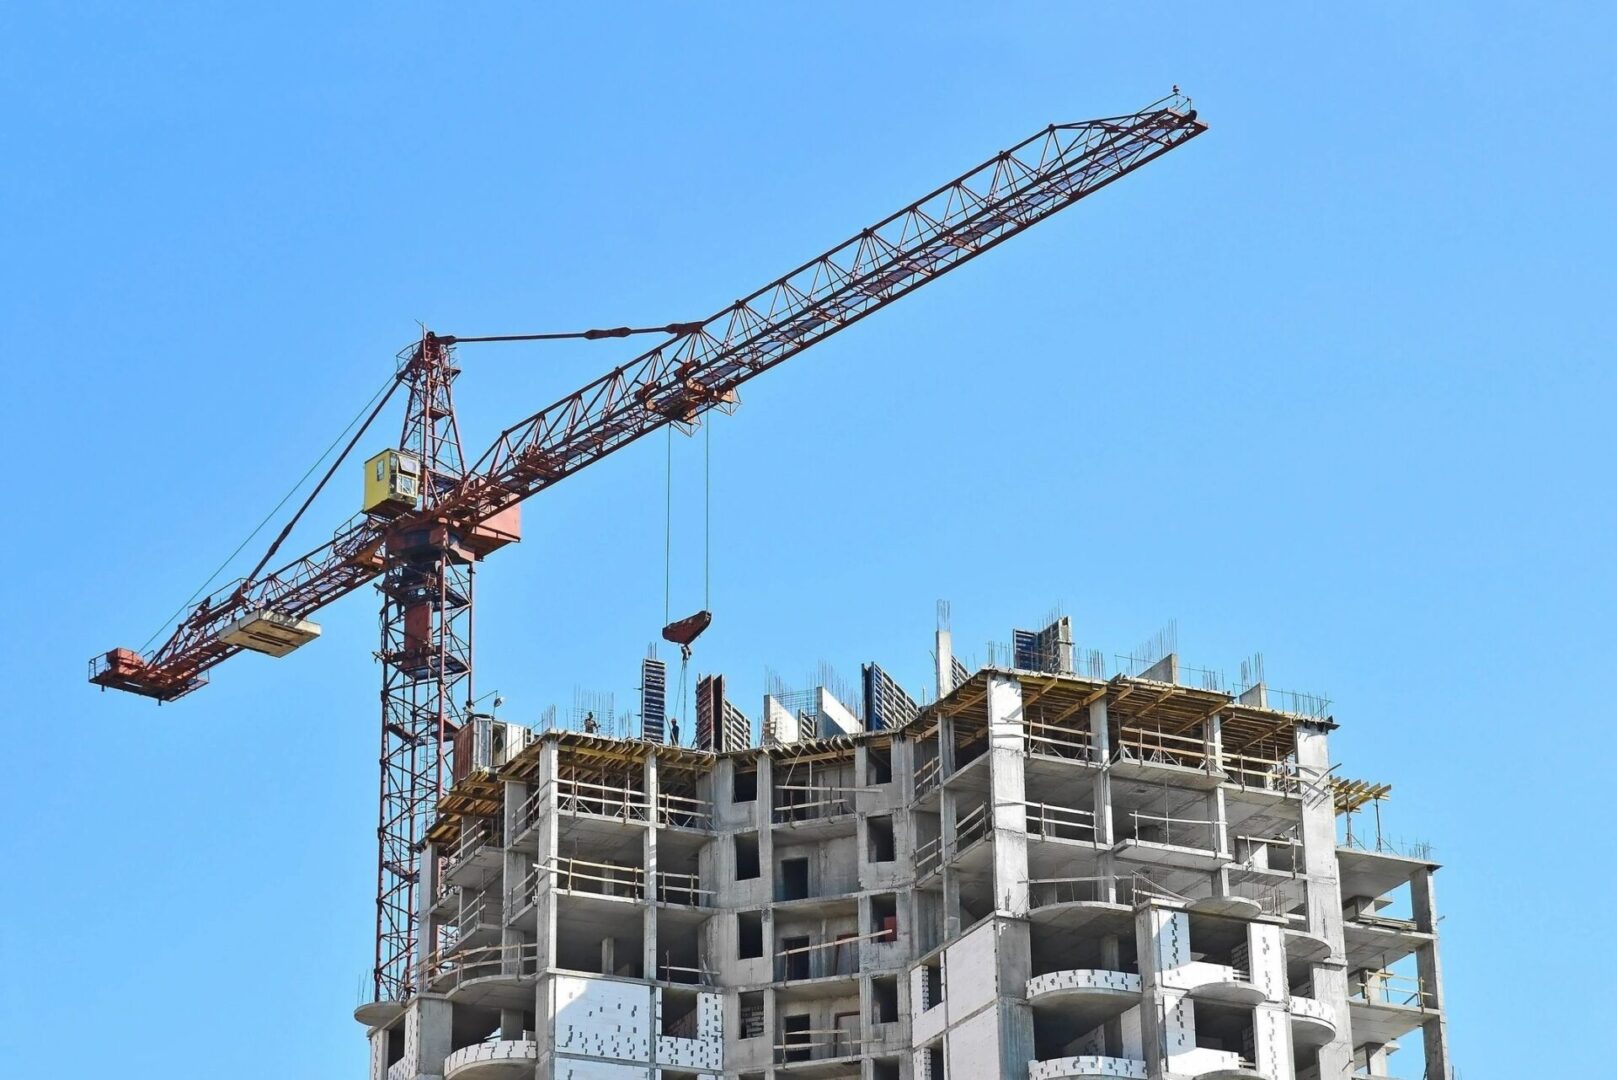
(424, 559)
(701, 368)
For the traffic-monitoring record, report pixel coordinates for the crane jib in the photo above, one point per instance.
(698, 369)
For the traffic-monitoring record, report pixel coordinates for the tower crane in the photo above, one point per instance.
(429, 517)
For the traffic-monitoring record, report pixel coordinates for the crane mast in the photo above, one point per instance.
(426, 658)
(421, 551)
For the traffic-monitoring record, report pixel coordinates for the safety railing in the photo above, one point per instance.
(472, 840)
(575, 796)
(1056, 741)
(1391, 988)
(601, 879)
(823, 959)
(444, 970)
(1173, 831)
(805, 803)
(1152, 746)
(817, 1044)
(441, 885)
(1060, 822)
(532, 809)
(1046, 892)
(684, 889)
(1100, 888)
(668, 971)
(927, 775)
(1262, 774)
(681, 811)
(971, 827)
(525, 894)
(482, 913)
(928, 856)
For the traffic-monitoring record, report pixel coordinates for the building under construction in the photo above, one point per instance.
(1043, 873)
(1038, 872)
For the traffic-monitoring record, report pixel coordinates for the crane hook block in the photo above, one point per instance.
(686, 630)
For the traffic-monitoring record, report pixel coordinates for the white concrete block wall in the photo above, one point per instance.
(1084, 979)
(1266, 952)
(1133, 1034)
(1200, 1060)
(973, 1046)
(1271, 1042)
(1178, 1025)
(1086, 1065)
(706, 1051)
(585, 1069)
(928, 1021)
(1171, 933)
(379, 1055)
(971, 971)
(602, 1018)
(410, 1064)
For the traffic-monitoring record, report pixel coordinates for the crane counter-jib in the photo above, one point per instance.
(696, 369)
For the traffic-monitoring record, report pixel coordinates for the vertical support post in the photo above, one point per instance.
(513, 870)
(648, 928)
(944, 655)
(1007, 795)
(1214, 749)
(1434, 1031)
(1100, 752)
(1324, 891)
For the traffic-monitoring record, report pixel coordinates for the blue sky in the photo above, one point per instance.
(1331, 383)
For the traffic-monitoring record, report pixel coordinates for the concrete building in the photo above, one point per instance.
(1042, 874)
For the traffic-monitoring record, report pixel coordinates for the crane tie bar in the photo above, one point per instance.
(678, 329)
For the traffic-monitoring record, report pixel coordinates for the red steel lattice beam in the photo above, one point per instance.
(699, 368)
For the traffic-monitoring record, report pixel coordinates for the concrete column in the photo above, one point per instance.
(945, 746)
(1434, 1032)
(428, 1035)
(1100, 751)
(1013, 955)
(1146, 949)
(764, 808)
(1324, 892)
(1008, 795)
(648, 925)
(544, 938)
(951, 880)
(944, 655)
(427, 923)
(1214, 748)
(1100, 733)
(516, 865)
(1111, 959)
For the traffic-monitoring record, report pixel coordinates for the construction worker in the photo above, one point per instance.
(673, 731)
(590, 726)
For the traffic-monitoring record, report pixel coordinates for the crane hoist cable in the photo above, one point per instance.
(378, 400)
(683, 632)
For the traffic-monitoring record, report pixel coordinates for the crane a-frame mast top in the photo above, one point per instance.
(698, 368)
